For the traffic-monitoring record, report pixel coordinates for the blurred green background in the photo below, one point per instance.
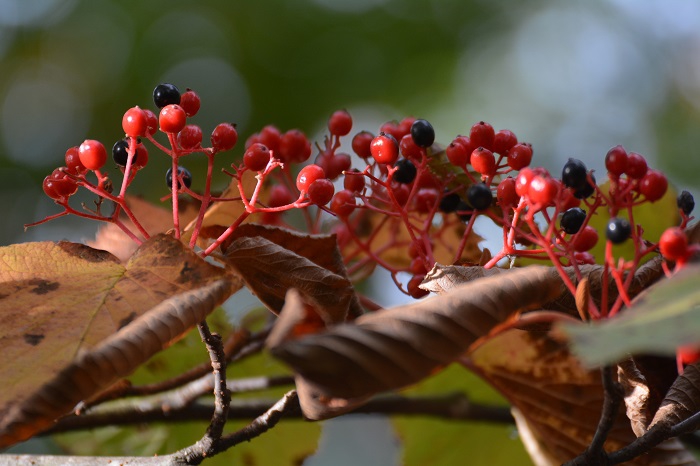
(572, 78)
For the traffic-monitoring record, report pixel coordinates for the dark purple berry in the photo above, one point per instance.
(422, 133)
(618, 230)
(405, 171)
(574, 174)
(479, 196)
(184, 173)
(166, 94)
(686, 202)
(572, 219)
(449, 203)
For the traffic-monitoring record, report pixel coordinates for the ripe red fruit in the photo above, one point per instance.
(270, 136)
(673, 244)
(308, 175)
(135, 122)
(58, 185)
(384, 149)
(172, 119)
(522, 181)
(151, 122)
(224, 137)
(506, 195)
(294, 147)
(413, 287)
(354, 183)
(401, 193)
(616, 160)
(636, 166)
(653, 185)
(520, 156)
(408, 147)
(483, 161)
(394, 129)
(426, 199)
(458, 154)
(190, 102)
(404, 127)
(141, 159)
(542, 190)
(482, 134)
(340, 123)
(503, 141)
(335, 165)
(343, 203)
(321, 191)
(73, 163)
(93, 154)
(256, 157)
(585, 239)
(361, 144)
(190, 137)
(48, 188)
(280, 196)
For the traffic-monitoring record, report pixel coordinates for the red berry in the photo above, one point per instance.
(408, 147)
(506, 195)
(135, 122)
(73, 163)
(294, 147)
(224, 137)
(404, 127)
(426, 199)
(503, 141)
(674, 244)
(151, 122)
(252, 139)
(542, 190)
(653, 185)
(340, 123)
(190, 137)
(48, 186)
(93, 154)
(271, 136)
(482, 134)
(384, 149)
(483, 161)
(172, 119)
(417, 266)
(190, 102)
(321, 191)
(336, 164)
(343, 203)
(308, 175)
(520, 156)
(354, 182)
(616, 161)
(394, 129)
(280, 196)
(414, 289)
(401, 193)
(522, 181)
(60, 184)
(458, 154)
(256, 157)
(585, 239)
(361, 143)
(141, 158)
(636, 166)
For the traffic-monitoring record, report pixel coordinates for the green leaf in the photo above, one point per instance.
(667, 317)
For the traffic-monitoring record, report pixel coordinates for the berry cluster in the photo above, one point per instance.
(410, 204)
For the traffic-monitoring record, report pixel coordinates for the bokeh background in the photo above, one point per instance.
(573, 78)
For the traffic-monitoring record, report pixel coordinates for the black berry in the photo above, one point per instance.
(574, 174)
(449, 203)
(405, 171)
(586, 190)
(184, 173)
(120, 152)
(479, 196)
(422, 133)
(166, 94)
(572, 220)
(618, 230)
(464, 211)
(686, 202)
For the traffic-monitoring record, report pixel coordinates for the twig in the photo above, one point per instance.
(595, 453)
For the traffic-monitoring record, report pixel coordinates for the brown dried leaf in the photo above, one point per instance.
(62, 304)
(273, 260)
(682, 399)
(396, 347)
(636, 389)
(559, 399)
(153, 218)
